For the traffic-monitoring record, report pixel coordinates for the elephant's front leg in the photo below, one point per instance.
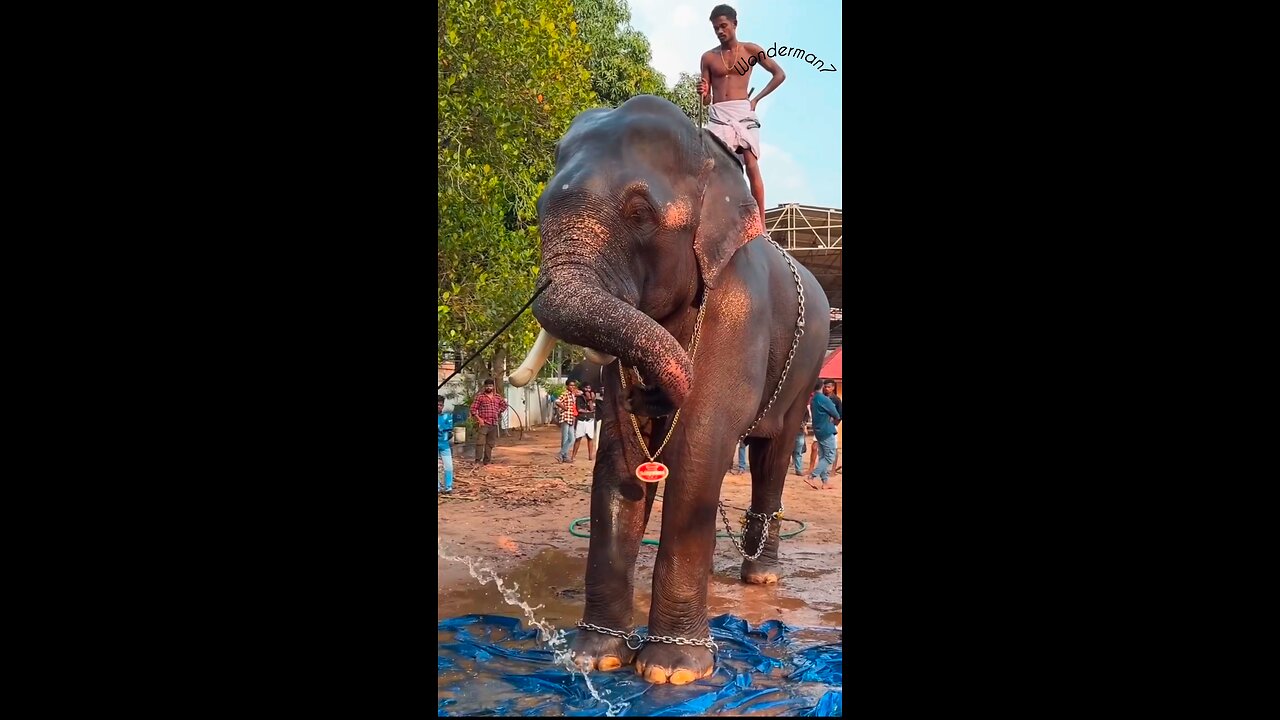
(682, 572)
(619, 504)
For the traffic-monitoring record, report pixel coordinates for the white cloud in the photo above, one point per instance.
(784, 180)
(678, 35)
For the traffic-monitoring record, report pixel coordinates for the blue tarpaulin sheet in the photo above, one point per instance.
(492, 665)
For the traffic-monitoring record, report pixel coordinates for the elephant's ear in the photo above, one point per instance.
(727, 220)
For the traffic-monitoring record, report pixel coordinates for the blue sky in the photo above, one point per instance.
(800, 121)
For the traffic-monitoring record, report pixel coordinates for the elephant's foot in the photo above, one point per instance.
(596, 651)
(761, 571)
(676, 664)
(765, 569)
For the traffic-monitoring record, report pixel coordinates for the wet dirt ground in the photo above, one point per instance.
(514, 516)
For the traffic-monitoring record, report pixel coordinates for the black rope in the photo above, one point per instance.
(495, 335)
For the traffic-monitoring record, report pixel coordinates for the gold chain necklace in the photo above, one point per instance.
(653, 471)
(725, 62)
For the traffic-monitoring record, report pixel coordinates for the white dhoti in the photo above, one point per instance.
(736, 125)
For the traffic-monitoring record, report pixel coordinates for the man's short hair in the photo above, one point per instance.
(726, 11)
(441, 399)
(832, 383)
(818, 387)
(488, 382)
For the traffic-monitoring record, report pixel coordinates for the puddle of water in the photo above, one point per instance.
(547, 633)
(555, 580)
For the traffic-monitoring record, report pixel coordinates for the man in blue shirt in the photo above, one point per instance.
(444, 431)
(825, 416)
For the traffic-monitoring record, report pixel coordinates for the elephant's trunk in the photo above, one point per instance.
(579, 312)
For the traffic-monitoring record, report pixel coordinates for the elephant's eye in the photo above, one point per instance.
(639, 212)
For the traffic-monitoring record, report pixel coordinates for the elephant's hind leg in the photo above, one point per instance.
(769, 460)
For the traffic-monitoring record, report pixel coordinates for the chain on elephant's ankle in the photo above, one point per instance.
(764, 533)
(628, 637)
(709, 643)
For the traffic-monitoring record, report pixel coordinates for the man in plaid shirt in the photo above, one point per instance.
(486, 409)
(567, 410)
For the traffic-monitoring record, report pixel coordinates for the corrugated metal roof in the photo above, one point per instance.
(815, 237)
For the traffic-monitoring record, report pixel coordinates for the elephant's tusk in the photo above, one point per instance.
(534, 361)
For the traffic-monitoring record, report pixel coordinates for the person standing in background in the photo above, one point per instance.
(567, 409)
(585, 424)
(824, 432)
(742, 466)
(486, 409)
(444, 434)
(797, 455)
(829, 389)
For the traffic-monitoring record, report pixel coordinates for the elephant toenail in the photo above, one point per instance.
(657, 675)
(609, 662)
(683, 677)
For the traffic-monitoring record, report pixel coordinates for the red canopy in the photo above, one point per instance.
(832, 368)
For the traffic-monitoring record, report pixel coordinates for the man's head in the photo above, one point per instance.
(818, 387)
(488, 386)
(829, 387)
(571, 386)
(586, 388)
(440, 404)
(724, 21)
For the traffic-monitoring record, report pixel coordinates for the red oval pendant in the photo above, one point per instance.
(652, 472)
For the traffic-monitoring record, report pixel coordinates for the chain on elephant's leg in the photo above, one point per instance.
(618, 503)
(765, 569)
(769, 460)
(679, 648)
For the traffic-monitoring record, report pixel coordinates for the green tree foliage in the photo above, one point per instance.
(620, 55)
(512, 76)
(685, 95)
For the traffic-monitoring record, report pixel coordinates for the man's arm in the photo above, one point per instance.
(772, 67)
(827, 406)
(704, 84)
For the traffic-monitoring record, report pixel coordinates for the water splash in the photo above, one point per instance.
(555, 639)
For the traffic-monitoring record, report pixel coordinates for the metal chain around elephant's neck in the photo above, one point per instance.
(653, 471)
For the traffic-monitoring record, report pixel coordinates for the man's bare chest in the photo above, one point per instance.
(729, 64)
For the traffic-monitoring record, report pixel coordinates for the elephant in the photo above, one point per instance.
(658, 264)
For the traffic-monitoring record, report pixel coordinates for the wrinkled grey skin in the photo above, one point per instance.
(628, 269)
